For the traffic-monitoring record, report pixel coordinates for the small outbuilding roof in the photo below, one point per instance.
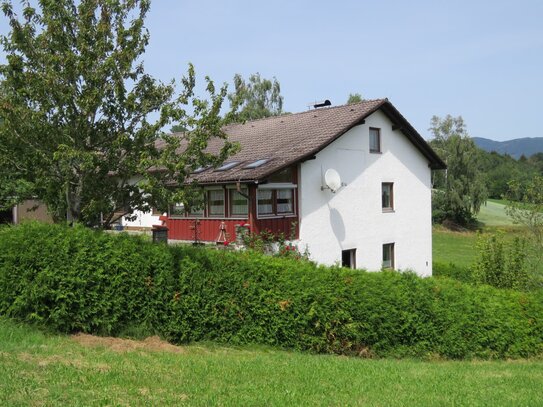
(273, 143)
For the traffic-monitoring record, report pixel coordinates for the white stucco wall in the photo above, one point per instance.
(143, 220)
(353, 218)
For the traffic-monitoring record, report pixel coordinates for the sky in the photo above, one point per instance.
(482, 60)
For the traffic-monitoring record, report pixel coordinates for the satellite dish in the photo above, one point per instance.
(332, 179)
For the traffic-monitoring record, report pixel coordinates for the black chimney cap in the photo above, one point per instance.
(322, 104)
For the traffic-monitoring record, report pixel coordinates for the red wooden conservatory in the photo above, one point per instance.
(270, 205)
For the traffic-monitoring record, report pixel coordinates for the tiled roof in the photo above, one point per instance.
(290, 138)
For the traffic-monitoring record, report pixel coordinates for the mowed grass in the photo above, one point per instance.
(39, 369)
(459, 248)
(492, 213)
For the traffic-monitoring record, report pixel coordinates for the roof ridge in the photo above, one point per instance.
(311, 111)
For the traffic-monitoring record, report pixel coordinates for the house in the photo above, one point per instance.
(30, 209)
(380, 214)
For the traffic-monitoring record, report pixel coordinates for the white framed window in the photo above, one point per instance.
(375, 140)
(278, 201)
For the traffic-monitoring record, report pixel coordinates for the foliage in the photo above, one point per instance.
(77, 279)
(460, 189)
(501, 264)
(278, 244)
(80, 280)
(354, 98)
(525, 207)
(256, 98)
(452, 270)
(499, 170)
(76, 105)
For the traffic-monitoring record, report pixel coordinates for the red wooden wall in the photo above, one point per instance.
(180, 228)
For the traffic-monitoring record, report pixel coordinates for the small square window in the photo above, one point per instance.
(375, 140)
(388, 256)
(387, 196)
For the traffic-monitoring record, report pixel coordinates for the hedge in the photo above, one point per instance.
(75, 279)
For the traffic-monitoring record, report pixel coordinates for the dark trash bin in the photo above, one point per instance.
(160, 234)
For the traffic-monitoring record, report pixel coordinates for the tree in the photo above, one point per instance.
(460, 189)
(354, 98)
(525, 207)
(256, 98)
(76, 105)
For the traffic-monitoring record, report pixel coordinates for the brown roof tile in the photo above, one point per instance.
(290, 138)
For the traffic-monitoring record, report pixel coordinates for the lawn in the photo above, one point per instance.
(39, 369)
(458, 248)
(493, 214)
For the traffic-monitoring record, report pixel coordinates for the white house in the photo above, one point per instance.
(379, 217)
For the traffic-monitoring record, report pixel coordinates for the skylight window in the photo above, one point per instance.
(227, 166)
(257, 163)
(200, 169)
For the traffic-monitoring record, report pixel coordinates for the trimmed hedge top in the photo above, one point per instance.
(76, 279)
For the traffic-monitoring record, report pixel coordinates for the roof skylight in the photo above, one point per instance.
(227, 166)
(257, 163)
(200, 169)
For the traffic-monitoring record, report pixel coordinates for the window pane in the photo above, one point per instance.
(238, 203)
(386, 195)
(284, 175)
(216, 202)
(375, 141)
(388, 255)
(177, 209)
(285, 201)
(265, 202)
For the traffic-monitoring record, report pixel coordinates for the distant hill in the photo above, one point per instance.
(515, 148)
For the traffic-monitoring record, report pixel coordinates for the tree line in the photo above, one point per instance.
(474, 175)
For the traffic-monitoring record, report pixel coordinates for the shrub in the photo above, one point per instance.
(78, 279)
(451, 270)
(501, 264)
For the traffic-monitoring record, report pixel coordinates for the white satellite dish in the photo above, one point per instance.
(332, 179)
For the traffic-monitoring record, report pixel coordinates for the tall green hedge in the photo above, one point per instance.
(80, 280)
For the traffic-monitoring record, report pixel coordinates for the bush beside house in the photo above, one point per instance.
(81, 280)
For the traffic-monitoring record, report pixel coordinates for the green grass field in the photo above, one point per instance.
(493, 214)
(454, 247)
(460, 247)
(39, 370)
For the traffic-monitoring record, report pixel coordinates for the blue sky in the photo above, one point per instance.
(479, 59)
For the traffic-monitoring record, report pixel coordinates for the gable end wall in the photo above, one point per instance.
(352, 218)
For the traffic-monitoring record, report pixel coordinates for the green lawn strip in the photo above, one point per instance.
(40, 369)
(458, 248)
(499, 201)
(492, 213)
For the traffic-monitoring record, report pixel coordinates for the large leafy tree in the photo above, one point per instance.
(77, 107)
(256, 97)
(460, 190)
